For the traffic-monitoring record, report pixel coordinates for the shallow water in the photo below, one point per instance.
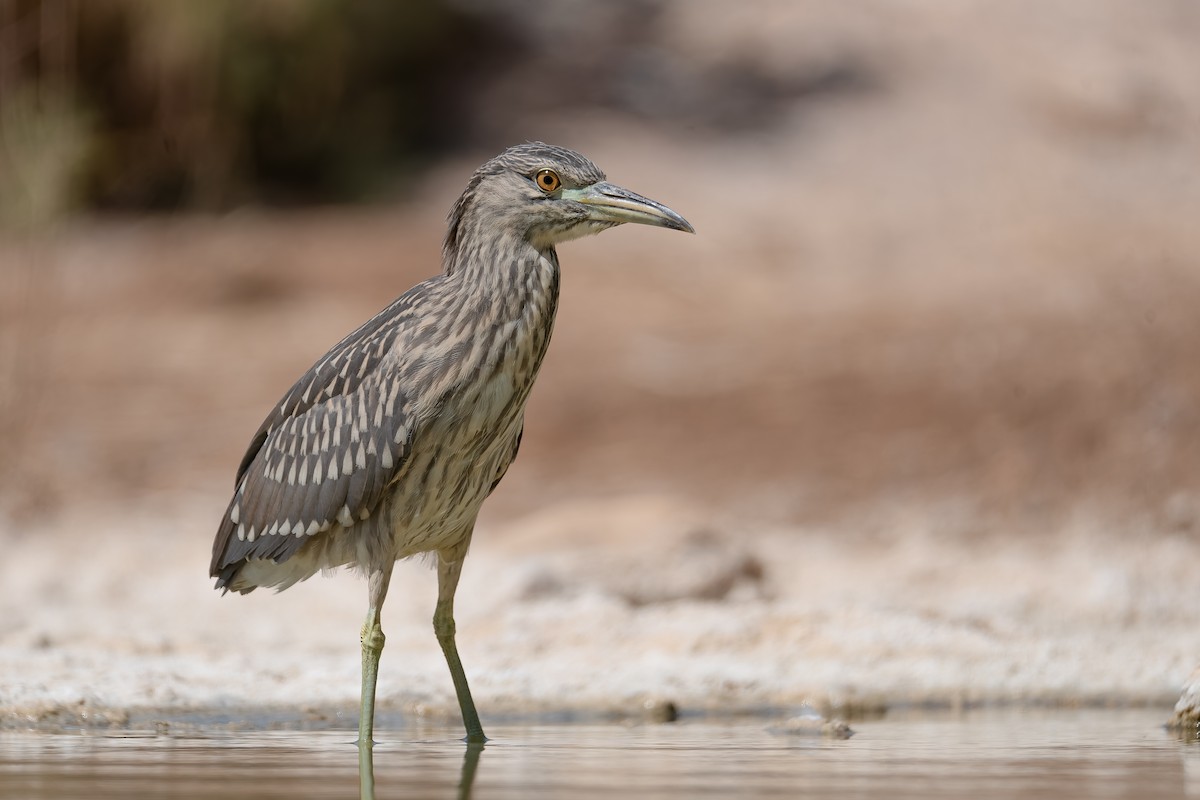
(979, 755)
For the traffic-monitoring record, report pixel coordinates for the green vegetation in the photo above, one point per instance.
(164, 104)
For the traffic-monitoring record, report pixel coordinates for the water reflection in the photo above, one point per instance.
(366, 770)
(470, 765)
(981, 756)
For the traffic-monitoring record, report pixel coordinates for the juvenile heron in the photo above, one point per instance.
(388, 446)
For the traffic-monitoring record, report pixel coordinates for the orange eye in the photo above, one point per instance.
(547, 180)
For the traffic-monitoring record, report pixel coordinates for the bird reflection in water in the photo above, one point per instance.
(366, 770)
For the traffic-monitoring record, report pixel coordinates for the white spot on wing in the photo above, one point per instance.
(235, 513)
(393, 395)
(362, 411)
(341, 422)
(344, 517)
(241, 532)
(312, 528)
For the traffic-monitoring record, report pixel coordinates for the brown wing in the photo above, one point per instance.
(326, 453)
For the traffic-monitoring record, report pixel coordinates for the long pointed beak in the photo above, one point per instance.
(608, 202)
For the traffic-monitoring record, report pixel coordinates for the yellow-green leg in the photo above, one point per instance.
(372, 647)
(443, 627)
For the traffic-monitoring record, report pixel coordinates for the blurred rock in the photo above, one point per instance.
(811, 723)
(658, 709)
(642, 550)
(1186, 718)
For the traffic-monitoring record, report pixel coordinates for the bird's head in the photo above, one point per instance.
(546, 195)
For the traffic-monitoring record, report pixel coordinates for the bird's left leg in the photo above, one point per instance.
(449, 567)
(372, 648)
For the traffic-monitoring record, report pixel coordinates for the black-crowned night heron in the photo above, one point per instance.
(388, 446)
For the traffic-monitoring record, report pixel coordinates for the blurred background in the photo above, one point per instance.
(944, 285)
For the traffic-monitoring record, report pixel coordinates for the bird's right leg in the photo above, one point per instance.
(449, 568)
(372, 648)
